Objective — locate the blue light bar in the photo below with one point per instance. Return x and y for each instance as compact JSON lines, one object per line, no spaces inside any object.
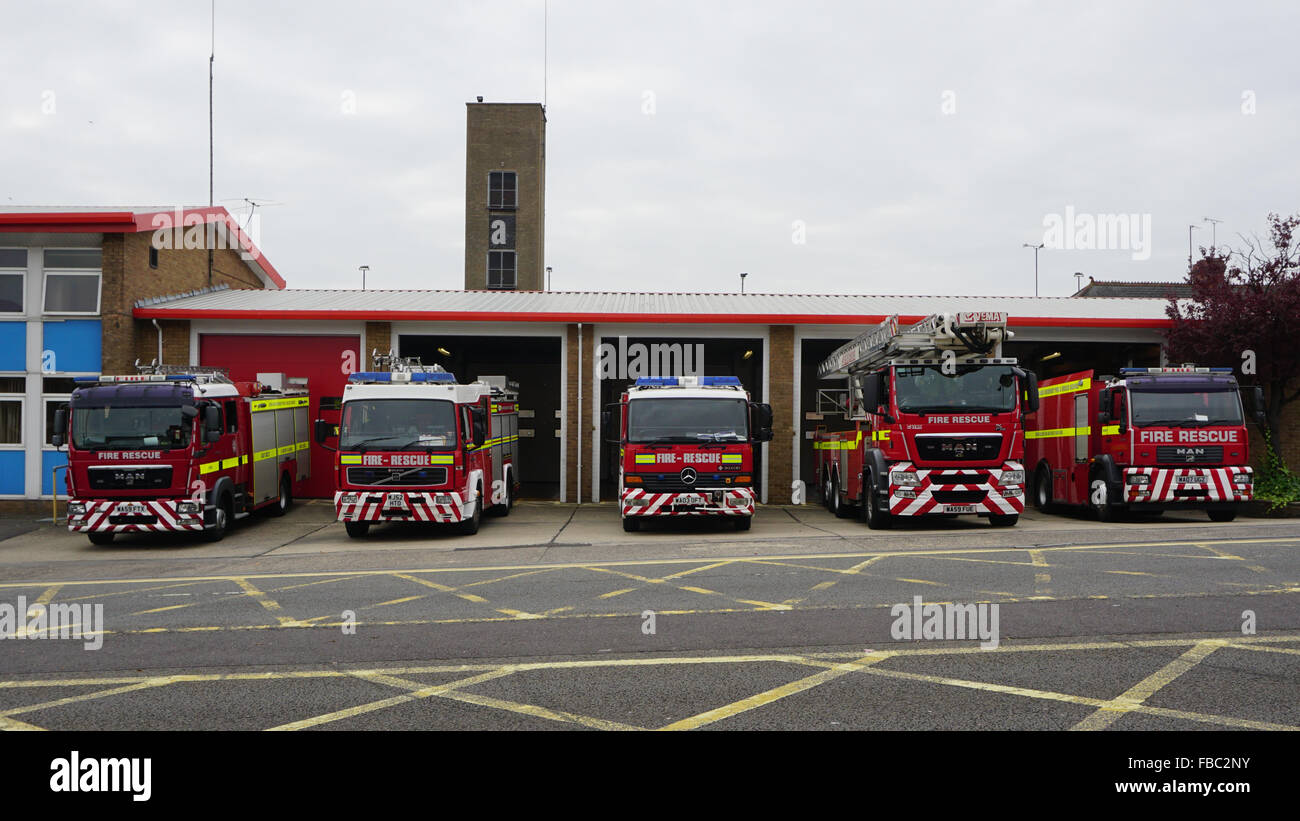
{"x":727,"y":381}
{"x":387,"y":376}
{"x":656,"y":381}
{"x":687,"y":381}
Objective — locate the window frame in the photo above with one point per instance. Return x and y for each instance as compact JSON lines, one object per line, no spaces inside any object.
{"x":21,"y":399}
{"x":514,"y":283}
{"x":98,"y":273}
{"x":22,"y":274}
{"x":501,"y":206}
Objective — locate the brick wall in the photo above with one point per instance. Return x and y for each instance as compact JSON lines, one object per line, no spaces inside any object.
{"x":379,"y":337}
{"x":506,"y":137}
{"x":578,"y":432}
{"x":1288,"y":446}
{"x":780,"y":453}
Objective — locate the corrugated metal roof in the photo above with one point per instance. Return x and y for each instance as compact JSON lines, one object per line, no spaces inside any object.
{"x":607,"y":306}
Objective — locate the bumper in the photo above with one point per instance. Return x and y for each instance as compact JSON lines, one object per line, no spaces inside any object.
{"x":734,"y":501}
{"x":120,"y":516}
{"x":415,"y":506}
{"x":942,"y":490}
{"x":1170,"y":486}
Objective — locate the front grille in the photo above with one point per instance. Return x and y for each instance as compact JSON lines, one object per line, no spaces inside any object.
{"x":959,"y":497}
{"x":952,"y":477}
{"x":422,"y":477}
{"x":123,"y":478}
{"x":1189,"y":454}
{"x":133,"y":520}
{"x":958,"y":448}
{"x":674,"y":483}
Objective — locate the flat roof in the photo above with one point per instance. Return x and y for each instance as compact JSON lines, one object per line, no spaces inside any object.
{"x":632,"y":307}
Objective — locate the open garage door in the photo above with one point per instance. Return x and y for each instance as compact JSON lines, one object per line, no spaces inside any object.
{"x":319,"y":358}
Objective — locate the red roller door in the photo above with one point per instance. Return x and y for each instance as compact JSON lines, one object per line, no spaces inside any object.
{"x":324,"y":360}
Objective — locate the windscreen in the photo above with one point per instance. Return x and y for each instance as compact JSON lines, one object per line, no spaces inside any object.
{"x":130,"y":427}
{"x":688,"y":420}
{"x":970,"y":388}
{"x":1189,"y":409}
{"x":396,"y":424}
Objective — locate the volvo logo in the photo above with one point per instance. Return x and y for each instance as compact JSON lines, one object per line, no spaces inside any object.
{"x":688,"y":476}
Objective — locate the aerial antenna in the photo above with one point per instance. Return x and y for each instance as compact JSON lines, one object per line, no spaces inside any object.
{"x":546,"y":21}
{"x":212,"y":58}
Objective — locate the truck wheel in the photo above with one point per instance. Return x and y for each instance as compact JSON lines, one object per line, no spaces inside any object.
{"x":468,"y":527}
{"x":743,"y":522}
{"x":357,"y":530}
{"x":826,"y":492}
{"x":631,"y":524}
{"x":1004,"y":519}
{"x":838,"y":507}
{"x":1222,"y":515}
{"x":1099,"y":499}
{"x":282,"y":506}
{"x":221,"y":518}
{"x":1043,"y":490}
{"x":876,"y":517}
{"x":101,"y":536}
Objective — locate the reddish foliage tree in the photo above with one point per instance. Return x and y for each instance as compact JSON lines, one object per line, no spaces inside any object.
{"x":1246,"y":301}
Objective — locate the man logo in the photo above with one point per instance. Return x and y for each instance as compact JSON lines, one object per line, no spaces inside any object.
{"x":689,"y":476}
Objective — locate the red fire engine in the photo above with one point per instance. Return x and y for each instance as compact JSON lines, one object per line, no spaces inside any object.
{"x":1147,"y":440}
{"x":181,"y":449}
{"x":687,"y":448}
{"x":415,"y":446}
{"x":938,"y":418}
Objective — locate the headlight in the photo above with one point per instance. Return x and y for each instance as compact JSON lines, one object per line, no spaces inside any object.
{"x":1241,"y":479}
{"x":1139,"y":479}
{"x":76,"y":508}
{"x":1012,"y":477}
{"x":904,"y":477}
{"x":188,"y":507}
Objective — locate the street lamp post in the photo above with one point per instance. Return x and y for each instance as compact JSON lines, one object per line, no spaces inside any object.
{"x":1036,"y":248}
{"x":742,"y":281}
{"x":363,"y":269}
{"x":548,"y":277}
{"x":1190,"y":229}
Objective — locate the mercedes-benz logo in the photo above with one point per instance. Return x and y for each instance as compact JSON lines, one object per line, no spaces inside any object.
{"x":688,"y":476}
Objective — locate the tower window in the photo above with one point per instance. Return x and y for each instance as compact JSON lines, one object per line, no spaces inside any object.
{"x":501,"y":270}
{"x":503,"y":189}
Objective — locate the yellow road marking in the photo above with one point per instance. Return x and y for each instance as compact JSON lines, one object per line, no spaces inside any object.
{"x":611,"y":594}
{"x":41,"y":601}
{"x":504,"y":578}
{"x":921,"y":581}
{"x":59,"y":702}
{"x":394,"y":601}
{"x":1137,"y":573}
{"x":12,"y":725}
{"x":1263,"y":648}
{"x":1041,"y":579}
{"x":162,"y":609}
{"x":361,"y":709}
{"x":307,"y":584}
{"x":269,"y":604}
{"x":1111,"y":711}
{"x":1220,"y":553}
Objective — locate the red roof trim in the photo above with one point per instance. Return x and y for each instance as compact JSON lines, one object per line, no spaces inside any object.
{"x":150,"y":221}
{"x":685,"y":319}
{"x":69,"y":222}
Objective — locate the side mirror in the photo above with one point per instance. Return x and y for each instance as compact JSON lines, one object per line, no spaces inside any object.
{"x":211,"y":420}
{"x":60,"y":427}
{"x":872,"y":396}
{"x":323,"y":431}
{"x":608,"y":425}
{"x":1029,"y":388}
{"x":189,"y":411}
{"x":761,"y":414}
{"x":479,"y":425}
{"x":1261,"y":416}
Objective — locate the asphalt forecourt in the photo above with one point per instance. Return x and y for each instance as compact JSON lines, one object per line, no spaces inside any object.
{"x":805,"y":622}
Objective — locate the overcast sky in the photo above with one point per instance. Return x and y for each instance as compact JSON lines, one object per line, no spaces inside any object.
{"x":913,"y":147}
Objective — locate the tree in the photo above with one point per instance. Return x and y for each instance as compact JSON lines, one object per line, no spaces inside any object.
{"x":1246,"y":313}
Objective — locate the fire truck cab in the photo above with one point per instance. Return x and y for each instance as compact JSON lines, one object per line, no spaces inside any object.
{"x":686,"y":448}
{"x":178,"y":448}
{"x":937,"y":418}
{"x":416,"y":446}
{"x":1147,"y":440}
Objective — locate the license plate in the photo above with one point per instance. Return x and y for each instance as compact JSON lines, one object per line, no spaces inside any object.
{"x":129,"y":508}
{"x":395,"y":500}
{"x":1188,"y":479}
{"x":959,"y":508}
{"x":689,"y":499}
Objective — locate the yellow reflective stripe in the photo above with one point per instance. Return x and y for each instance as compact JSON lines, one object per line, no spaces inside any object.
{"x":208,"y":467}
{"x":879,"y":435}
{"x":286,"y":449}
{"x":350,"y":459}
{"x":732,"y":458}
{"x":243,"y":460}
{"x":1066,"y":387}
{"x":441,"y":458}
{"x":302,"y":445}
{"x":277,"y":404}
{"x":230,"y":463}
{"x":645,"y":459}
{"x":1055,"y":432}
{"x":264,"y":454}
{"x":1110,"y":430}
{"x":835,"y":445}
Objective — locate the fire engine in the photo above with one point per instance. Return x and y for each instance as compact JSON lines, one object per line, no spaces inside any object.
{"x":937,"y":417}
{"x":686,"y":446}
{"x":415,"y":446}
{"x":1149,"y":439}
{"x":177,"y":448}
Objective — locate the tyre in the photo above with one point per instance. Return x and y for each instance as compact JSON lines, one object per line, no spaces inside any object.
{"x":1004,"y":519}
{"x":743,"y":522}
{"x":631,"y":524}
{"x":101,"y":536}
{"x":1222,"y":515}
{"x":840,"y":509}
{"x":285,"y":501}
{"x":826,"y":491}
{"x":876,"y":517}
{"x":468,"y":527}
{"x":357,"y":530}
{"x":502,"y":510}
{"x":1100,"y":501}
{"x":222,"y":516}
{"x":1043,"y":490}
